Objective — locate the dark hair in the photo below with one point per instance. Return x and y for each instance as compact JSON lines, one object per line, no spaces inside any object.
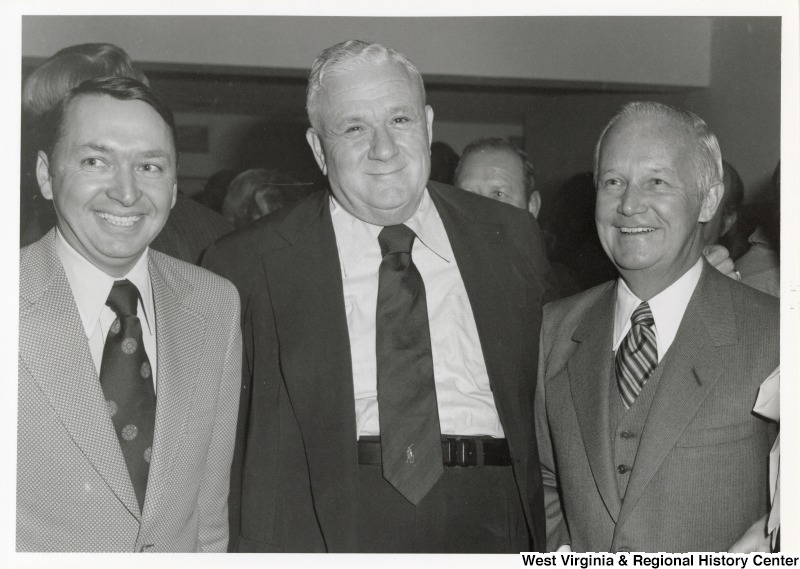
{"x":484,"y":144}
{"x":71,"y":66}
{"x":734,"y":191}
{"x":121,"y":88}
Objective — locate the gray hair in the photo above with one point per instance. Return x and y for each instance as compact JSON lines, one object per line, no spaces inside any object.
{"x":486,"y":144}
{"x":346,"y":56}
{"x":707,"y":156}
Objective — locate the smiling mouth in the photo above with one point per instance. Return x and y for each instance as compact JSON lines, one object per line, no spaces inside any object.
{"x":635,"y":230}
{"x":118,"y":220}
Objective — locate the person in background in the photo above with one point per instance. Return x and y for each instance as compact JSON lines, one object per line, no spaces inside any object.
{"x":391,"y":328}
{"x":443,"y":162}
{"x":494,"y":168}
{"x":213,"y":194}
{"x":760,"y":266}
{"x":727,"y":226}
{"x":257,"y":192}
{"x":191,"y":227}
{"x":129,"y":360}
{"x":646,"y":383}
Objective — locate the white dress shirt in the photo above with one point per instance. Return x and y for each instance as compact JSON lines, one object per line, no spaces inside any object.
{"x":667,"y":307}
{"x":465,"y":401}
{"x":90,"y":287}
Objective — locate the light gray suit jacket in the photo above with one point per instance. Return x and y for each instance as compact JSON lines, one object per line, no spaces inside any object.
{"x":73,"y":488}
{"x":699,"y":479}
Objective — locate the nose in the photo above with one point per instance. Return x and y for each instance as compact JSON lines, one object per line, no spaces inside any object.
{"x":382,"y":146}
{"x":631,"y":201}
{"x":123,"y":187}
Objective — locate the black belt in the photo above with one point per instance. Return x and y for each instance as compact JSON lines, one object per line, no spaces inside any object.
{"x":456,"y":451}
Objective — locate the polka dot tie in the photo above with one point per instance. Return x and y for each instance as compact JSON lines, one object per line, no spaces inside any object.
{"x":637,"y":355}
{"x":125,"y":377}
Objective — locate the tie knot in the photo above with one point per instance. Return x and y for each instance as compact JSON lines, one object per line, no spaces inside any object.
{"x":396,"y":239}
{"x":123,"y":298}
{"x":642,"y":316}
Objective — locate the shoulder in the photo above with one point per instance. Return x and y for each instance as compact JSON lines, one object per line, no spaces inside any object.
{"x":477,"y":207}
{"x":197,"y":287}
{"x":569,"y":310}
{"x":37,"y":264}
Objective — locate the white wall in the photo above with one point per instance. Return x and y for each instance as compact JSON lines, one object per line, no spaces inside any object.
{"x":631,"y":50}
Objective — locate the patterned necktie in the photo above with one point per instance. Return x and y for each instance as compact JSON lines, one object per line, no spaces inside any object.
{"x":411,"y":442}
{"x":125,"y":377}
{"x":637,"y":356}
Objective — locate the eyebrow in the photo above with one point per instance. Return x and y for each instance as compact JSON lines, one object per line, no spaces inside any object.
{"x":97,"y":147}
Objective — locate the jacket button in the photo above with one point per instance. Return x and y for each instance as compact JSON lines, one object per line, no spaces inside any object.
{"x":622,"y":469}
{"x":627,"y":435}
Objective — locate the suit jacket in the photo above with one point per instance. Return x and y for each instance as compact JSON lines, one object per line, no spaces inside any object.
{"x":295,"y":469}
{"x":699,"y":479}
{"x":73,"y":488}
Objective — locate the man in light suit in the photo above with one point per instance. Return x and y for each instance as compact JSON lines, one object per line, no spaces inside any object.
{"x":109,"y":164}
{"x":646,"y":384}
{"x":309,"y":471}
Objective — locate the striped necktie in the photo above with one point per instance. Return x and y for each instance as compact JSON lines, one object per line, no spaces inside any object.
{"x":637,"y":356}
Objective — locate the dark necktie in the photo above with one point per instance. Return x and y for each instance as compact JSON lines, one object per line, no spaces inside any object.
{"x":637,"y":355}
{"x":411,"y":442}
{"x":126,"y":379}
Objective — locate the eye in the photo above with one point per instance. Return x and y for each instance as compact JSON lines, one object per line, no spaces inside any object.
{"x":658,"y":182}
{"x":498,"y":193}
{"x":354,"y":129}
{"x":93,"y":163}
{"x":151,"y":169}
{"x":401,"y":120}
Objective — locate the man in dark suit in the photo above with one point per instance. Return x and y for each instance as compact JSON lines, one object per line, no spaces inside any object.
{"x":339,"y":355}
{"x":646,"y":383}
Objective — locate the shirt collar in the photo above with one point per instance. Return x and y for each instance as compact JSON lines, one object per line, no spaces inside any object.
{"x":355,"y":238}
{"x":90,"y":286}
{"x":667,"y":307}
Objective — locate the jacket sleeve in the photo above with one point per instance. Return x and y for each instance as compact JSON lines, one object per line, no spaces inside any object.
{"x":557,"y":532}
{"x":213,"y":496}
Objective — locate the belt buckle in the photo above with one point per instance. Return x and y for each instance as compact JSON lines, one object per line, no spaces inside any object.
{"x":460,"y":452}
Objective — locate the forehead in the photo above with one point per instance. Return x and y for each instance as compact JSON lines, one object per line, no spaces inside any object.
{"x":368,"y":83}
{"x":651,"y":138}
{"x":104,"y":117}
{"x":493,"y":161}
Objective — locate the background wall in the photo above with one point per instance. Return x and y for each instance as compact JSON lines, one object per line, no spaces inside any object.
{"x":553,"y":80}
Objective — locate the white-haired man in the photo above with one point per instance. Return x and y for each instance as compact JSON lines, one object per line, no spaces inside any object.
{"x":646,"y":383}
{"x":391,"y":330}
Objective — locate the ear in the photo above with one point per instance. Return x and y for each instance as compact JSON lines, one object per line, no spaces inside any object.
{"x":535,"y":203}
{"x":711,"y":202}
{"x":727,"y":222}
{"x":174,"y":194}
{"x":429,"y":121}
{"x":316,"y":147}
{"x":43,"y":175}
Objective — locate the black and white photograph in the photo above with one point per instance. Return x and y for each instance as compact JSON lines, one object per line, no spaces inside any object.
{"x":423,"y":279}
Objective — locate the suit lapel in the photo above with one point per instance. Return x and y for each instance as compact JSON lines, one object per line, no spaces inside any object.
{"x":483,"y":257}
{"x":180,"y":337}
{"x":53,"y":347}
{"x":589,"y":369}
{"x":305,"y":288}
{"x":692,"y":366}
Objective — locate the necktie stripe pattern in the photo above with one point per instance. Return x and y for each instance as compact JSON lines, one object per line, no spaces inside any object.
{"x":411,"y":447}
{"x":127,"y":386}
{"x":637,"y":356}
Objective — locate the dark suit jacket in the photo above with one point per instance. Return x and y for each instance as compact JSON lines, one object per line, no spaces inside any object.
{"x":699,"y":479}
{"x":296,"y":458}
